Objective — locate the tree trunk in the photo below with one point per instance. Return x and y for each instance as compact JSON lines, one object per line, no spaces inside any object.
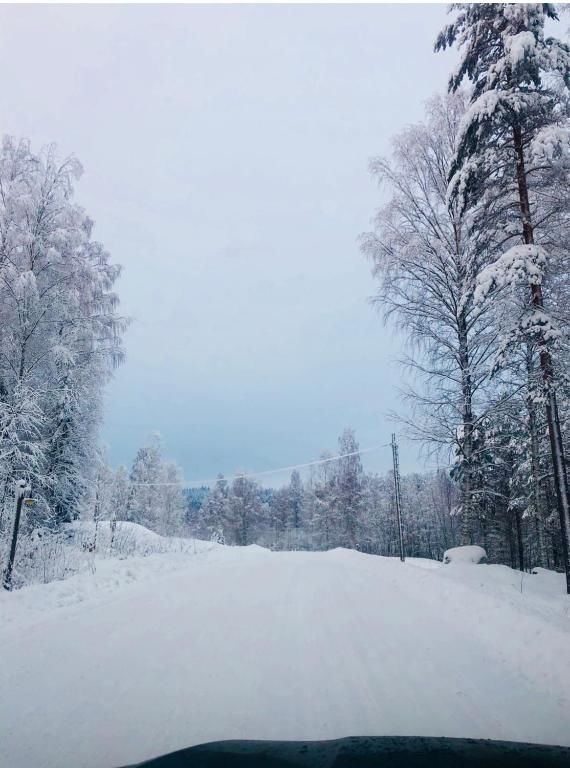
{"x":537,"y":484}
{"x":520,"y":548}
{"x":552,"y":418}
{"x":467,"y":505}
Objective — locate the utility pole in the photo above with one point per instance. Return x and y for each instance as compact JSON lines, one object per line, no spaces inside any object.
{"x":397,"y":495}
{"x":20,"y":492}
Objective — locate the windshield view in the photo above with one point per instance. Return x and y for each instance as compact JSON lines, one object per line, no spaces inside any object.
{"x":284,"y":385}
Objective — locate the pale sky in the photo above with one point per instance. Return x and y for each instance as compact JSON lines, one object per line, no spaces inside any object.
{"x":226,"y":155}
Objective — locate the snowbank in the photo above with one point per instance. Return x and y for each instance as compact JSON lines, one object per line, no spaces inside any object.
{"x":44,"y":556}
{"x":126,"y":540}
{"x":468,"y":554}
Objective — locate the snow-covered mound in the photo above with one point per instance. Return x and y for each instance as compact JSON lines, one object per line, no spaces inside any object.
{"x":80,"y":547}
{"x":127,"y":539}
{"x":468,"y":554}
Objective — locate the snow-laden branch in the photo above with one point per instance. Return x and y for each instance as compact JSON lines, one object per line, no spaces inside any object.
{"x":520,"y":264}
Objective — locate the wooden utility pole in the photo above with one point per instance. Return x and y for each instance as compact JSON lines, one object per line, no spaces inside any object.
{"x":397,"y":495}
{"x":20,"y":492}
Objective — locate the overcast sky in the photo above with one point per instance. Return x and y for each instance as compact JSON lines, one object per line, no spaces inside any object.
{"x":225,"y":151}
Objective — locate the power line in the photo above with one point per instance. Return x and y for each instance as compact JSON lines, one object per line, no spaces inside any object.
{"x":265,"y":472}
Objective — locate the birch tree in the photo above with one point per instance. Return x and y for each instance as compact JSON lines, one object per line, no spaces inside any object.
{"x":427,"y":264}
{"x":60,"y":334}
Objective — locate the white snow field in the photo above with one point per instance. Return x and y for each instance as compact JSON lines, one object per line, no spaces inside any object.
{"x":149,"y":655}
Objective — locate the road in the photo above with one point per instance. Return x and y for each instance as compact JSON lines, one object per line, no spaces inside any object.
{"x":252,"y":644}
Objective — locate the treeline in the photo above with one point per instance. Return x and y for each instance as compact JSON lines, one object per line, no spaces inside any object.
{"x":339,"y":505}
{"x":471,"y":254}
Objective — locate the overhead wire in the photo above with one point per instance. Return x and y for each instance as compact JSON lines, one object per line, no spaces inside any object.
{"x":277,"y":470}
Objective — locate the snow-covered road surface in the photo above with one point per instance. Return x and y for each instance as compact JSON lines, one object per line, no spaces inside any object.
{"x":244,"y":643}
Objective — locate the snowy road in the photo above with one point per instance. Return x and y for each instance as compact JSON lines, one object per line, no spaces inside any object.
{"x":251,"y":644}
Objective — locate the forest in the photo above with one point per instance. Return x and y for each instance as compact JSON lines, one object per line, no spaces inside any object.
{"x":469,"y":252}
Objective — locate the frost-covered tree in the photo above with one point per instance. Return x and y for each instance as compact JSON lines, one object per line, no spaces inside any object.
{"x":378,"y":530}
{"x":348,"y":488}
{"x":427,"y":262}
{"x":244,"y":510}
{"x":146,"y":489}
{"x":155,"y":497}
{"x":296,"y":499}
{"x":60,"y":334}
{"x":280,"y":514}
{"x":173,"y":505}
{"x":320,"y":513}
{"x":99,"y":497}
{"x":515,"y":133}
{"x":120,"y":493}
{"x":286,"y":508}
{"x":21,"y":443}
{"x":215,"y":511}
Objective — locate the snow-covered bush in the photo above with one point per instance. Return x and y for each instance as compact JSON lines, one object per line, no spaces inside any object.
{"x":468,"y":554}
{"x":44,"y":555}
{"x":124,"y":539}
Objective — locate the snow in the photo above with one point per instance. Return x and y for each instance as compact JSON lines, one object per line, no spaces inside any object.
{"x":29,"y":606}
{"x":131,"y":538}
{"x":44,"y":557}
{"x":521,"y":263}
{"x":520,"y":46}
{"x":468,"y":554}
{"x":149,"y":655}
{"x":550,"y":143}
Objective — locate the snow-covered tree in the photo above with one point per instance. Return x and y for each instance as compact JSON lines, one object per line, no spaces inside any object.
{"x":514,"y":133}
{"x":155,"y":498}
{"x":244,"y":510}
{"x":348,"y":484}
{"x":146,"y":480}
{"x":280,"y":514}
{"x":296,"y":499}
{"x":427,"y":262}
{"x":120,"y":493}
{"x":320,"y":513}
{"x":215,"y":512}
{"x":173,"y":505}
{"x":60,"y":334}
